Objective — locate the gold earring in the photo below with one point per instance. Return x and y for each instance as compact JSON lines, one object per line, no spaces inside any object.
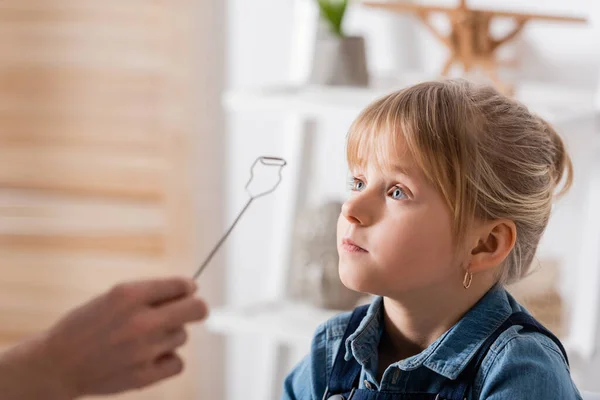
{"x":467,"y":280}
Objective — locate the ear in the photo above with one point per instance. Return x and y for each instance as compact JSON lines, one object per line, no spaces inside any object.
{"x":495,"y":240}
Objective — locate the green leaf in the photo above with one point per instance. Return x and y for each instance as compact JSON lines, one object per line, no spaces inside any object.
{"x":333,"y":11}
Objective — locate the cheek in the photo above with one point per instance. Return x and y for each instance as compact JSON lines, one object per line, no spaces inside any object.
{"x":419,"y":244}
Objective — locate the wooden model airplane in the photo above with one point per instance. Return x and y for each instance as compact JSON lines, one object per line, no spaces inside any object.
{"x":470,"y":41}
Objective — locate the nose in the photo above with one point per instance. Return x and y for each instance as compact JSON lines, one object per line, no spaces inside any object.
{"x":358,"y":209}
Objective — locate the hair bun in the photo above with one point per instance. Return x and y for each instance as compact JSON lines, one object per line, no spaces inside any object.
{"x":562,"y":166}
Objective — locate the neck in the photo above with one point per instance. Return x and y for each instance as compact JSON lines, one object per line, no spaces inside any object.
{"x":413,"y":321}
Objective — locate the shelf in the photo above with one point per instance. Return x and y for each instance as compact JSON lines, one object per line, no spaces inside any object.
{"x":553,"y":102}
{"x":284,"y":321}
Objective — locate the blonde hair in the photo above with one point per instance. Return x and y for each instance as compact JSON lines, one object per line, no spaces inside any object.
{"x":487,"y":154}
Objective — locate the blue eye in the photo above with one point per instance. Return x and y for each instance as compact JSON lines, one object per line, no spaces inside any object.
{"x":398,"y":194}
{"x":356,"y":184}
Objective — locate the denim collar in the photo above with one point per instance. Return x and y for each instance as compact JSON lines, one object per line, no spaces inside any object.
{"x":451,"y":352}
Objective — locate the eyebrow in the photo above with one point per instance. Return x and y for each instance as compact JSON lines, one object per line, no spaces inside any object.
{"x":402,"y":169}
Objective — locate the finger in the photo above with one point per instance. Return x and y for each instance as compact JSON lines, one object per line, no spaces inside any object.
{"x":163,"y":367}
{"x":169,"y":342}
{"x":177,"y":313}
{"x":156,"y":291}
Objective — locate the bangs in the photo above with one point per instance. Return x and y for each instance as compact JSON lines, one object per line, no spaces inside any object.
{"x":381,"y":135}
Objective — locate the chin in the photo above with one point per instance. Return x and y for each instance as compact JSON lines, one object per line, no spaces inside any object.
{"x":357,"y":279}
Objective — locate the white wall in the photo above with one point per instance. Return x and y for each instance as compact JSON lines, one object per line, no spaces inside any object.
{"x":258,"y":52}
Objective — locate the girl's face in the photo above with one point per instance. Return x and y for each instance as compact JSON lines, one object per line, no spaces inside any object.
{"x":395,"y":233}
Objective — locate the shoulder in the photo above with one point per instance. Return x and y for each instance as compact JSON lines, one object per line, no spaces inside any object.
{"x":310,"y":376}
{"x":328,"y":339}
{"x":335,"y":327}
{"x":523,"y":364}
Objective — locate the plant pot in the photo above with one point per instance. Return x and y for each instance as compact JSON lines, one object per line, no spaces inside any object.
{"x":340,"y":61}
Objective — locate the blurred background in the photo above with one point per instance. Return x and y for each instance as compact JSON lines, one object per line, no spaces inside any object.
{"x":111,"y":159}
{"x":128,"y":128}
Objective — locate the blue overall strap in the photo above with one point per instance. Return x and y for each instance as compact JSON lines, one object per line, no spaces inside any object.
{"x":457,"y":390}
{"x":344,"y":373}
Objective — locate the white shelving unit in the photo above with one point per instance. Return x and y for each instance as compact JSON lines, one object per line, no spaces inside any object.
{"x":553,"y":102}
{"x":287,"y":323}
{"x":292,"y":325}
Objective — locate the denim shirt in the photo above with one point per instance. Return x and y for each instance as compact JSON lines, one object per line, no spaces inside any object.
{"x":519,"y":365}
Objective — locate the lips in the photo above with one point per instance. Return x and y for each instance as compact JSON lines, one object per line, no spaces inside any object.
{"x":350,"y":246}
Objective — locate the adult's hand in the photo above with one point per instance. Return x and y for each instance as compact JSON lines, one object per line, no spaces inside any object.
{"x":121,"y":340}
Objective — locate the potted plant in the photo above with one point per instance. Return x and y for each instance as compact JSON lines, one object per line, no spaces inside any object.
{"x":339,"y":59}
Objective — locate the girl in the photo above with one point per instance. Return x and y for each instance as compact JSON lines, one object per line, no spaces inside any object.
{"x":452,"y":189}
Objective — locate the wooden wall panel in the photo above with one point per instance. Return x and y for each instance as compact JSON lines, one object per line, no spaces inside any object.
{"x":100,"y":144}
